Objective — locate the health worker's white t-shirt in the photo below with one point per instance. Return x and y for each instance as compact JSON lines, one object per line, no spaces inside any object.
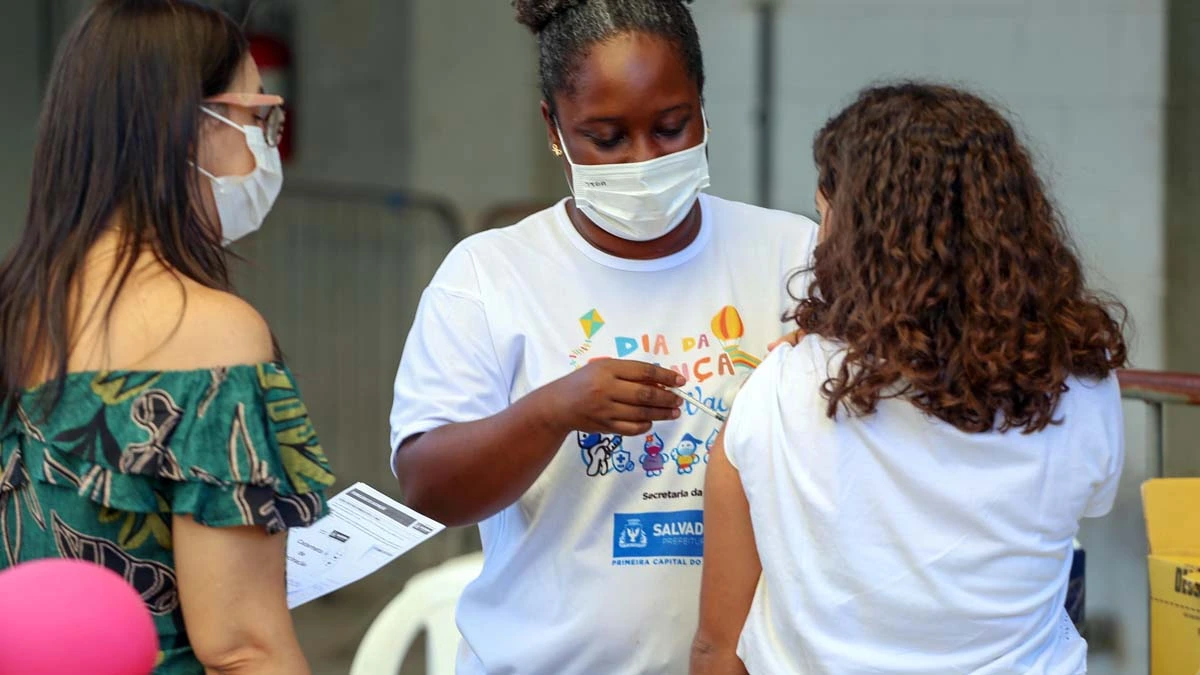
{"x":895,"y":543}
{"x":596,"y":569}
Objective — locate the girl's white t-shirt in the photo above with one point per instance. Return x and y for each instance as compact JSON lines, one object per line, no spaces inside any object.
{"x":895,"y":543}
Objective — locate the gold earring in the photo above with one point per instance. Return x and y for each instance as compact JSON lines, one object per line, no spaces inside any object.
{"x":556,"y":150}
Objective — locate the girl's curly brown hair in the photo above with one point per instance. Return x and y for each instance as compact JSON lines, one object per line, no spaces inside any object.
{"x":946,"y":272}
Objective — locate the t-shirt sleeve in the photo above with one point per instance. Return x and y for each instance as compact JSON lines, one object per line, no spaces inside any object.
{"x":752,"y":407}
{"x":449,"y":371}
{"x":1113,"y":434}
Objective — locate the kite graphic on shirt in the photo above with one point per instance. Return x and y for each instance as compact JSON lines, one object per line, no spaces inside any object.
{"x":684,"y":453}
{"x":591,"y":323}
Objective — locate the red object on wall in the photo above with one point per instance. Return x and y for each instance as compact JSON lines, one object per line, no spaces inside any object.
{"x":274,"y":60}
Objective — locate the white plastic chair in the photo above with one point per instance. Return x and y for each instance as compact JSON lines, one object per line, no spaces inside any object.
{"x":427,"y":602}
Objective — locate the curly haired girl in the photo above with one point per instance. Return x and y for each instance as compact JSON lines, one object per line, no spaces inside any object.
{"x":898,"y":490}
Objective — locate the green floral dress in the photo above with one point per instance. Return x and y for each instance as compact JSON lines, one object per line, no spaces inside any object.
{"x":99,"y":477}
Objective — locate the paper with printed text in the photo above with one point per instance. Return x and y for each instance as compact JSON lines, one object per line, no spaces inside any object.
{"x":364,"y":531}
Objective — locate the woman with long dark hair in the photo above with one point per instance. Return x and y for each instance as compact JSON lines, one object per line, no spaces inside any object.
{"x":898,"y":491}
{"x":146,"y":423}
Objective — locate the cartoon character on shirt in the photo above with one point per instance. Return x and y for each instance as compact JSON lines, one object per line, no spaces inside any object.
{"x":708,"y":444}
{"x":622,"y":460}
{"x":652,"y":459}
{"x":684,"y":453}
{"x":597,"y":450}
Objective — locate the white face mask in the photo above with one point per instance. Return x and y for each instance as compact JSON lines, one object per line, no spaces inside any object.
{"x":643,"y":200}
{"x":243,"y":201}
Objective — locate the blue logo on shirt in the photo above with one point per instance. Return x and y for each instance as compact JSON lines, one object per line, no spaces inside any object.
{"x":669,"y":534}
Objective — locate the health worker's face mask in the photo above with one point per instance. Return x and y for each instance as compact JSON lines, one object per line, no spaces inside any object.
{"x":643,"y":200}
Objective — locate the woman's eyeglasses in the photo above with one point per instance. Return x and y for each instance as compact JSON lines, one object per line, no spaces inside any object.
{"x":267,"y":109}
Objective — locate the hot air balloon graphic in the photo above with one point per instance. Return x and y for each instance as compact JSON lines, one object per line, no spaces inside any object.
{"x":591,"y":323}
{"x":728,"y":328}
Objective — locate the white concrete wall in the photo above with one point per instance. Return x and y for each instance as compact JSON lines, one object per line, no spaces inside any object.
{"x":434,"y":96}
{"x":1083,"y":79}
{"x":352,"y":80}
{"x":477,"y":133}
{"x":1183,"y":227}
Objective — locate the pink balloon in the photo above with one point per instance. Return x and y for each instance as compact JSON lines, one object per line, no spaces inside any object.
{"x":65,"y":617}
